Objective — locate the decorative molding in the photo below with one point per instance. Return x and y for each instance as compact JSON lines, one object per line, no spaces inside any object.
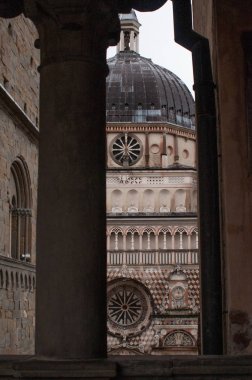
{"x":15,"y":111}
{"x":126,"y":179}
{"x":15,"y":274}
{"x":126,"y":149}
{"x":129,"y":307}
{"x":152,"y":127}
{"x":157,"y":229}
{"x":178,"y":339}
{"x":10,"y":263}
{"x":81,"y":30}
{"x":165,"y":257}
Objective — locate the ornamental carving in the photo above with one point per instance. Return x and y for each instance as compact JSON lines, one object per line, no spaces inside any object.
{"x":128,"y":308}
{"x":125,"y":307}
{"x":178,"y":297}
{"x":126,"y":149}
{"x":178,"y":339}
{"x":125,"y":179}
{"x":74,"y":30}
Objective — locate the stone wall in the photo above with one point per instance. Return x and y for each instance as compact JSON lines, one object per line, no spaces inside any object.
{"x":17,"y":307}
{"x":19,"y":60}
{"x":224,"y":25}
{"x":179,"y":149}
{"x":19,"y":90}
{"x":15,"y":142}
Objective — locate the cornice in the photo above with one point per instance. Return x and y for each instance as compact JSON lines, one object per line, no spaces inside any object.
{"x":12,"y":8}
{"x":16,"y":112}
{"x":140,"y":5}
{"x":150,"y":128}
{"x":16,"y":264}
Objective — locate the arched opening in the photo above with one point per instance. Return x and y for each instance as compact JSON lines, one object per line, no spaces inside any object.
{"x":156,"y":190}
{"x":132,"y":201}
{"x":164,"y":200}
{"x":148,"y":201}
{"x":116,"y":201}
{"x":20,"y":211}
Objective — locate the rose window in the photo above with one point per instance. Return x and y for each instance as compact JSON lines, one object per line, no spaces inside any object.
{"x":129,"y":307}
{"x":126,"y":149}
{"x":125,"y":307}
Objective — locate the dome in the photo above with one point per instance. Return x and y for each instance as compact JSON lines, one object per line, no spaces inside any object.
{"x":140,"y":91}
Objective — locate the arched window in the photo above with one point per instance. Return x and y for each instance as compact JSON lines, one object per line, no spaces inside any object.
{"x":20,"y":211}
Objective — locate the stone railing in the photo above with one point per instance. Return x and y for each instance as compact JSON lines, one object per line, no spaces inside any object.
{"x":16,"y":274}
{"x":166,"y":257}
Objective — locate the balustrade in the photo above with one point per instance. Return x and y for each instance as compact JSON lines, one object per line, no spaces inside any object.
{"x":153,"y":257}
{"x":15,"y":274}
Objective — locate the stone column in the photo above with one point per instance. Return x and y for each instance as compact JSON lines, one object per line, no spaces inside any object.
{"x":124,"y":242}
{"x":164,"y":158}
{"x":147,"y":150}
{"x":140,"y":242}
{"x":71,"y":238}
{"x":137,"y":43}
{"x":176,"y":150}
{"x":189,"y":242}
{"x":156,"y":242}
{"x":132,"y":47}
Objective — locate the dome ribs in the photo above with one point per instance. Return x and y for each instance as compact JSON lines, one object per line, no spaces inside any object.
{"x":162,"y":89}
{"x":140,"y":91}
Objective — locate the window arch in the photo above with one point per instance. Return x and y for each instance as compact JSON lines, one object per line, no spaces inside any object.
{"x":179,"y":338}
{"x":20,"y":211}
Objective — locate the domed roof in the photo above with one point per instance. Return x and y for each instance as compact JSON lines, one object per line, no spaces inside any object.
{"x":140,"y":91}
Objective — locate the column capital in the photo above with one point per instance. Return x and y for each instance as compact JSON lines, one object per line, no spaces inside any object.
{"x":74,"y":30}
{"x":10,"y":8}
{"x":125,"y":6}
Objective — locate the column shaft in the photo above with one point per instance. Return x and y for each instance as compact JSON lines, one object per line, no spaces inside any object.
{"x":71,"y":228}
{"x":70,"y":316}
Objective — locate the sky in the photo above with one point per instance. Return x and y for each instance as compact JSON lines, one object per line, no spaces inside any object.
{"x":157,"y":43}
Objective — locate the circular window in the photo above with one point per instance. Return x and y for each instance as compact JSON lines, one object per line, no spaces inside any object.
{"x":125,"y":307}
{"x":126,"y":149}
{"x":129,"y":308}
{"x":154,"y":149}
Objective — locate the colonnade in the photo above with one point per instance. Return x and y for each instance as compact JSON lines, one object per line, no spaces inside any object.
{"x":151,"y":238}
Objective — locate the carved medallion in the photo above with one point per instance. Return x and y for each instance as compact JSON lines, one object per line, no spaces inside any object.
{"x":126,"y":149}
{"x":129,"y":308}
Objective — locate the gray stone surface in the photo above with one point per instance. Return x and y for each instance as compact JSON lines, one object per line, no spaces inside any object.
{"x":71,"y":241}
{"x":18,"y":63}
{"x":125,"y":368}
{"x":17,"y":315}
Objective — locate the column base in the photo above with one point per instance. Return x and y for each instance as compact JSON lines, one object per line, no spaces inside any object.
{"x":32,"y":367}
